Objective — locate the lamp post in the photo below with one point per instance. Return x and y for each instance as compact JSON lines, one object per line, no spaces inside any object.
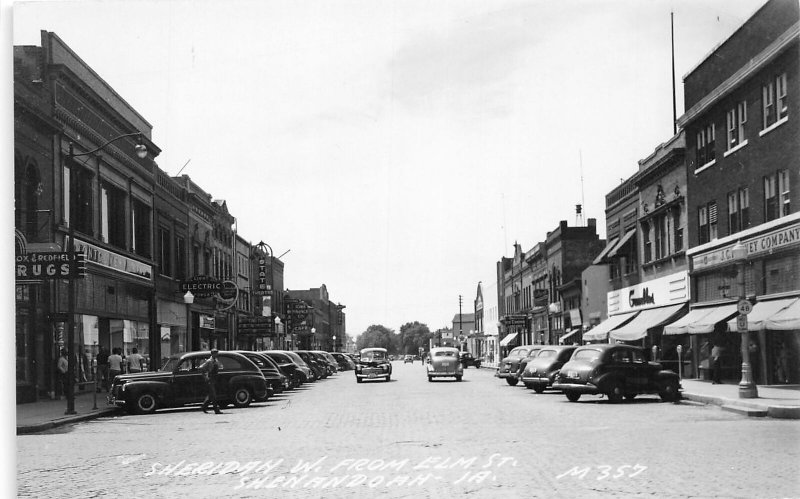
{"x":278,"y":327}
{"x":188,"y":299}
{"x":313,"y":337}
{"x":334,"y":342}
{"x":747,"y":388}
{"x":141,"y":152}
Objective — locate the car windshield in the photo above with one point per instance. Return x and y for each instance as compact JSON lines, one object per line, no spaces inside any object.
{"x":373,"y":355}
{"x":446,"y":353}
{"x":546,"y":353}
{"x":586,"y":354}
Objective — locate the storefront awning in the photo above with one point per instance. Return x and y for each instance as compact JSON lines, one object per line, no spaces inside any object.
{"x":647,"y":319}
{"x":605,"y":251}
{"x":508,"y":339}
{"x":600,"y":331}
{"x":700,"y":320}
{"x":627,"y":237}
{"x":567,"y":336}
{"x":763,"y":311}
{"x":787,"y":319}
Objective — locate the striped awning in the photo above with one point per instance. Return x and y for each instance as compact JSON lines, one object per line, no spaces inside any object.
{"x":700,"y":320}
{"x":647,"y":319}
{"x":762,"y":312}
{"x":600,"y":331}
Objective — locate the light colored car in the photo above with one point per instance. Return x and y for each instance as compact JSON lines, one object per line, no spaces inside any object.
{"x":444,"y":362}
{"x":373,"y":363}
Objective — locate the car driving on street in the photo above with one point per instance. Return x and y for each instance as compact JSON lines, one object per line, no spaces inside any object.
{"x":373,"y":363}
{"x":444,"y":362}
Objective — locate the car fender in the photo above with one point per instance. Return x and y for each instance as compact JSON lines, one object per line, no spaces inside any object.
{"x":159,"y":388}
{"x":252,"y":380}
{"x":604,"y":380}
{"x":665,"y":376}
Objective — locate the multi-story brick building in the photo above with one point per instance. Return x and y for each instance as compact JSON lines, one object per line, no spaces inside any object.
{"x":743,"y":161}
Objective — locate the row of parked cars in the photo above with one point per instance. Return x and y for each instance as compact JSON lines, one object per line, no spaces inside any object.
{"x":244,"y":377}
{"x":615,"y":370}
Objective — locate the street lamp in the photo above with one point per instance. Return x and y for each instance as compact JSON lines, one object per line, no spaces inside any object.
{"x":747,"y":388}
{"x":141,"y":152}
{"x":188,"y":299}
{"x":334,"y":342}
{"x":313,"y":338}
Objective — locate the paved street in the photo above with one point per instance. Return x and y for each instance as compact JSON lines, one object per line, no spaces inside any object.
{"x":411,"y":438}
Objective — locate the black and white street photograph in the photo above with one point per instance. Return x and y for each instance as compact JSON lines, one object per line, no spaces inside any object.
{"x":402,"y":248}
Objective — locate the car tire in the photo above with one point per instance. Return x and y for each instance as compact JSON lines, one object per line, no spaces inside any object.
{"x":670,"y":392}
{"x":538,"y":388}
{"x":478,"y":365}
{"x":630,"y":396}
{"x":615,"y":393}
{"x":145,"y":403}
{"x":359,"y":380}
{"x":512,"y":381}
{"x":430,"y":378}
{"x":458,"y":378}
{"x":572,"y":396}
{"x":388,"y":377}
{"x":242,"y":396}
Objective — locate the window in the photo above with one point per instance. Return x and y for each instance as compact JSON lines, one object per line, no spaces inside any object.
{"x":707,"y":222}
{"x":660,"y":236}
{"x":738,"y":210}
{"x":195,"y":260}
{"x":140,"y":222}
{"x":648,"y":249}
{"x":705,"y":145}
{"x":774,"y":101}
{"x":676,"y":225}
{"x":784,"y":206}
{"x":112,"y":216}
{"x":180,"y":257}
{"x":165,"y":249}
{"x":770,"y":198}
{"x":737,"y":118}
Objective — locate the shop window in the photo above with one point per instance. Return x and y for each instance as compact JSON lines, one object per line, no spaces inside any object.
{"x":140,"y":221}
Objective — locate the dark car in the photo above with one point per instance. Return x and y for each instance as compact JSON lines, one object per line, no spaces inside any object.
{"x":329,"y":359}
{"x":408,"y":358}
{"x":293,"y":372}
{"x":373,"y":363}
{"x":276,"y":380}
{"x":616,"y":371}
{"x":467,"y":359}
{"x":509,"y":368}
{"x":344,"y":361}
{"x":541,"y":372}
{"x":320,"y":369}
{"x":180,"y":382}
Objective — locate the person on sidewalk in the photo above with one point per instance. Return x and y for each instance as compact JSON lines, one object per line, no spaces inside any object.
{"x":210,"y":369}
{"x":62,"y":368}
{"x":135,"y":361}
{"x":102,"y":369}
{"x":716,"y":367}
{"x":114,"y":364}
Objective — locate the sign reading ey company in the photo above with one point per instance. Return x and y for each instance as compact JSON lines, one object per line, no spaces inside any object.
{"x":40,"y":266}
{"x":202,"y":286}
{"x":765,"y":243}
{"x":667,"y":290}
{"x":115,"y":261}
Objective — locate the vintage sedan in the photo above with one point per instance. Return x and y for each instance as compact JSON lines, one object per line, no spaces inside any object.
{"x":373,"y":363}
{"x":467,"y":359}
{"x":444,"y":362}
{"x":408,"y":359}
{"x":293,"y":367}
{"x":509,"y":368}
{"x":615,"y":371}
{"x":345,"y":362}
{"x":541,"y":372}
{"x":276,"y":380}
{"x":180,"y":382}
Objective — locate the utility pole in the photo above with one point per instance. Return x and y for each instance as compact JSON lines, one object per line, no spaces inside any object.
{"x":460,"y":330}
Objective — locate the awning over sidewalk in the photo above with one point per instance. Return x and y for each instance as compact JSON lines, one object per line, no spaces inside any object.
{"x":508,"y":339}
{"x":605,"y":251}
{"x":647,"y":319}
{"x":700,"y":320}
{"x":600,"y":331}
{"x":787,"y":319}
{"x":763,"y":311}
{"x":627,"y":237}
{"x":568,"y":335}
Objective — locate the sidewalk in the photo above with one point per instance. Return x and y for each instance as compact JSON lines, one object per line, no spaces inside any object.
{"x":775,"y":401}
{"x":45,"y":414}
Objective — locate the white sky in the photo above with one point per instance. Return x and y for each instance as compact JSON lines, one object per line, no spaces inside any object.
{"x":396,"y":148}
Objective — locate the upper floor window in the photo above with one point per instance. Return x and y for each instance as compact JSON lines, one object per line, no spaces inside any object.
{"x":774,"y":101}
{"x":164,"y":251}
{"x":707,"y":222}
{"x":112,"y":216}
{"x":142,"y":228}
{"x":777,"y":202}
{"x":738,"y":210}
{"x":705,"y":145}
{"x":180,"y":257}
{"x":736,"y":120}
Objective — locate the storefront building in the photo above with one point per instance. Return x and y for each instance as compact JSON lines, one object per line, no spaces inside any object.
{"x":486,"y":343}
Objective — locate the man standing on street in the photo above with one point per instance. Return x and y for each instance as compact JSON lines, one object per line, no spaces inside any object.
{"x":102,"y":369}
{"x":210,"y":369}
{"x":716,"y":367}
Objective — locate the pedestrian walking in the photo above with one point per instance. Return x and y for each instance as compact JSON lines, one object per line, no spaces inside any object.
{"x":716,"y":365}
{"x":135,"y":361}
{"x":210,"y":369}
{"x":102,"y":369}
{"x":62,"y":370}
{"x":114,"y":364}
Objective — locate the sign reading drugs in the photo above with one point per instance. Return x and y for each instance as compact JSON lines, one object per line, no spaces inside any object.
{"x":41,"y":266}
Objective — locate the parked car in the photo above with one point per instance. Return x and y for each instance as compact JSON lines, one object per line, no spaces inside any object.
{"x":541,"y":372}
{"x":329,"y":359}
{"x":373,"y":363}
{"x":180,"y":382}
{"x":408,"y":358}
{"x":276,"y":380}
{"x":302,"y":363}
{"x":616,"y":371}
{"x":467,"y":359}
{"x":444,"y":362}
{"x":292,"y":365}
{"x":344,"y":361}
{"x":509,"y":367}
{"x":320,"y":370}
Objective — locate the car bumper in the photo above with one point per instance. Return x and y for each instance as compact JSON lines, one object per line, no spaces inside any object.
{"x":536,"y":380}
{"x":444,"y":374}
{"x":372,"y":373}
{"x":577,"y":387}
{"x":505,"y":374}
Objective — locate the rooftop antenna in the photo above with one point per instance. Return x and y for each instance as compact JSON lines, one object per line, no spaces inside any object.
{"x":184,"y":166}
{"x":505,"y":227}
{"x":579,"y":222}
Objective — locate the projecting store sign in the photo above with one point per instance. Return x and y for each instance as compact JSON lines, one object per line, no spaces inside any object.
{"x":256,"y":325}
{"x":41,"y":266}
{"x":263,"y":286}
{"x":202,"y":286}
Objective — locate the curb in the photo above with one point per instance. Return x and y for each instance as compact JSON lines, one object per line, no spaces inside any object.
{"x":772,"y":411}
{"x":38,"y":427}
